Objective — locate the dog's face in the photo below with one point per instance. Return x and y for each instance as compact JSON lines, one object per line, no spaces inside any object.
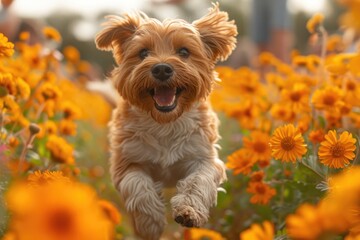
{"x":165,"y":67}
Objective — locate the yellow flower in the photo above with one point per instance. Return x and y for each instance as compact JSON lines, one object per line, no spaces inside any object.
{"x":70,"y":110}
{"x":24,"y":36}
{"x":6,"y":47}
{"x":110,"y":211}
{"x":57,"y":210}
{"x":71,"y":54}
{"x":335,"y":43}
{"x":61,"y":151}
{"x":337,"y":153}
{"x":287,"y":144}
{"x":83,"y":67}
{"x":241,"y":161}
{"x":23,"y":88}
{"x":297,"y":97}
{"x":327,"y":98}
{"x":305,"y":224}
{"x":316,"y":136}
{"x":352,"y":92}
{"x":67,"y":127}
{"x":11,"y":108}
{"x":314,"y":22}
{"x":39,"y":178}
{"x":267,"y":58}
{"x":52,"y":34}
{"x":262,"y":193}
{"x":258,"y":145}
{"x":201,"y":233}
{"x":247,"y":82}
{"x":258,"y":232}
{"x":282,"y":112}
{"x":245,"y":112}
{"x":47,"y":128}
{"x":13,"y":142}
{"x":8,"y":84}
{"x":48,"y":91}
{"x":100,"y":111}
{"x":49,"y":95}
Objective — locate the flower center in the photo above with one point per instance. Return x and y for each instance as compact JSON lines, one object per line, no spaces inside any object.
{"x":249,"y":89}
{"x":350,"y":86}
{"x":295,"y":96}
{"x":329,"y":100}
{"x":260,"y":147}
{"x":260,"y":189}
{"x":337,"y":150}
{"x":61,"y":221}
{"x":287,"y":143}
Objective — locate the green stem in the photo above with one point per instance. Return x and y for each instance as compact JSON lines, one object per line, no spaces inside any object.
{"x":313,"y":170}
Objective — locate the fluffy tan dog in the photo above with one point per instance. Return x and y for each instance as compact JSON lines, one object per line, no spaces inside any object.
{"x":163,"y":132}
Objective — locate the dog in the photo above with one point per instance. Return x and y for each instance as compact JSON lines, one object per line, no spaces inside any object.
{"x":163,"y":133}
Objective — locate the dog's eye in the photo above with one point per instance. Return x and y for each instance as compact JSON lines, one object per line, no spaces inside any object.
{"x":143,"y":53}
{"x":183,"y":52}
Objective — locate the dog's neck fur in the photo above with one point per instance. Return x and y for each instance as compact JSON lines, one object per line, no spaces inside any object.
{"x":165,"y":141}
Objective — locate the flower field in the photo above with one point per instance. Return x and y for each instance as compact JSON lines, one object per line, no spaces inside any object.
{"x":290,"y":140}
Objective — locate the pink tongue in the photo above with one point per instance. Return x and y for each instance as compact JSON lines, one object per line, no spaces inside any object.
{"x":164,"y":96}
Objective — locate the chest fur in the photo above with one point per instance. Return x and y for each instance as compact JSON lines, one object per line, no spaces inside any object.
{"x":185,"y":139}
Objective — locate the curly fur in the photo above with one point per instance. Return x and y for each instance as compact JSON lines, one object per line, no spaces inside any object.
{"x":152,"y":149}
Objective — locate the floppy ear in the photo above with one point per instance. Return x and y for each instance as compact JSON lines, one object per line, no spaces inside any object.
{"x":118,"y":30}
{"x":217,"y":33}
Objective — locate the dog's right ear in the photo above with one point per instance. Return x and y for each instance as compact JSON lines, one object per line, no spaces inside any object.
{"x":117,"y":30}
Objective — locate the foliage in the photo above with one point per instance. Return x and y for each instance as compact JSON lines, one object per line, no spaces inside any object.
{"x":290,"y":134}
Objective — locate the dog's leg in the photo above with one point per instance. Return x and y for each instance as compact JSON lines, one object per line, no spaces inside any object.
{"x":197,"y":193}
{"x":143,"y":202}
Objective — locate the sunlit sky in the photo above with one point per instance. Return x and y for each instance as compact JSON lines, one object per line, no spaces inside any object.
{"x":86,"y":28}
{"x":41,"y":8}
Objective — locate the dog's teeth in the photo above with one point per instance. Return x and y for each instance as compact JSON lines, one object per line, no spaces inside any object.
{"x":165,"y":96}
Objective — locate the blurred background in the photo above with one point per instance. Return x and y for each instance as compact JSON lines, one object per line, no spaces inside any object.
{"x":278,"y":26}
{"x":274,"y":25}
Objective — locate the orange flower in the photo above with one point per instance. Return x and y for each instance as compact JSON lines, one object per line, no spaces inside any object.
{"x":110,"y":211}
{"x":39,"y":178}
{"x":262,"y":193}
{"x":61,"y":151}
{"x":47,"y":128}
{"x":327,"y":98}
{"x":57,"y":211}
{"x":52,"y":34}
{"x":241,"y":161}
{"x":201,"y":233}
{"x":305,"y":224}
{"x":282,"y":112}
{"x":67,"y":127}
{"x":317,"y":136}
{"x":297,"y":97}
{"x":257,"y":176}
{"x":314,"y":22}
{"x":337,"y":153}
{"x":71,"y":54}
{"x":287,"y":144}
{"x":258,"y":232}
{"x":258,"y":145}
{"x":6,"y":47}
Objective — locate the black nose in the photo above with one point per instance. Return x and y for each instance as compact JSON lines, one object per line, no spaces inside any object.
{"x":162,"y":71}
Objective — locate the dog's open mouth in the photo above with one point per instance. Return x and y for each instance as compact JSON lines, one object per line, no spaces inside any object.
{"x":165,"y":97}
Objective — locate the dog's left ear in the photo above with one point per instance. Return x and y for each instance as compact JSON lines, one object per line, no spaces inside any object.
{"x":217,"y":33}
{"x":117,"y":30}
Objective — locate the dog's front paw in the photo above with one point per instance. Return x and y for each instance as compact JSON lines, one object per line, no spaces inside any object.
{"x":187,"y":216}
